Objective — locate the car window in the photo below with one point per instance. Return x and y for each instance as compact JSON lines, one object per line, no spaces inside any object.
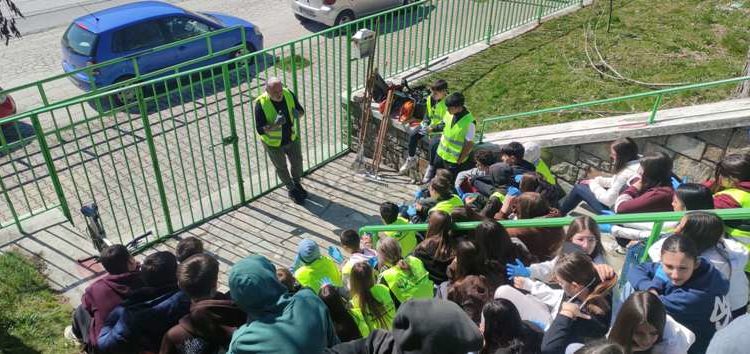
{"x":79,"y":40}
{"x":142,"y":35}
{"x":185,"y":27}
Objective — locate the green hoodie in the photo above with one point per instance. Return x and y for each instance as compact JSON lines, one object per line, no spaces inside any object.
{"x":280,"y":322}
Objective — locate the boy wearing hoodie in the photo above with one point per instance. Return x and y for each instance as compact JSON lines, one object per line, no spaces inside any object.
{"x":280,"y":322}
{"x":139,"y":323}
{"x":350,"y":242}
{"x":104,"y":294}
{"x":213,"y":315}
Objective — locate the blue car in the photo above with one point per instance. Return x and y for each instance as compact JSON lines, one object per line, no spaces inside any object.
{"x":131,"y":30}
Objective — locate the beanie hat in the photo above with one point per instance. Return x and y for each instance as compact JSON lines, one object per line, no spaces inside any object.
{"x":308,"y":251}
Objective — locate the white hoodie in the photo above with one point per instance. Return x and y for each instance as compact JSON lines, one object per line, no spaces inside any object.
{"x":729,"y":257}
{"x":543,"y":271}
{"x":606,"y":189}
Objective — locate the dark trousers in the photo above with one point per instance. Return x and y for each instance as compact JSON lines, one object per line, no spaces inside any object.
{"x":279,"y":155}
{"x":415,"y":136}
{"x":438,"y":162}
{"x":81,"y":323}
{"x":581,"y":192}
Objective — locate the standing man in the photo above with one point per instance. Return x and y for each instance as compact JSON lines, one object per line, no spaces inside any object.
{"x":432,"y":122}
{"x":277,"y":113}
{"x":458,"y":135}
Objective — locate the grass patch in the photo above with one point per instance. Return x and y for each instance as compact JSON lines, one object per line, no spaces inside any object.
{"x":676,"y":41}
{"x":32,"y":317}
{"x":286,"y":63}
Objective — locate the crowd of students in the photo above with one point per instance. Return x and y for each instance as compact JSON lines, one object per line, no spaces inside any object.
{"x":487,"y":290}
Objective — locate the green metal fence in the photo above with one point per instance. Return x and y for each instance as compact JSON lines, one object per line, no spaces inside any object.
{"x":657,"y":96}
{"x":182,"y":149}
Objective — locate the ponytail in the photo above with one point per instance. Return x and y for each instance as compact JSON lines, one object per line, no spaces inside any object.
{"x":578,"y":267}
{"x":404,"y":266}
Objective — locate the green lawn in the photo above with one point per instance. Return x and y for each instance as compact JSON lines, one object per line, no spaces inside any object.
{"x":675,"y":41}
{"x":32,"y":317}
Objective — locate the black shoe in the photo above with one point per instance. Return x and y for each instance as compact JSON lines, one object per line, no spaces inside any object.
{"x":302,"y":192}
{"x":296,"y":196}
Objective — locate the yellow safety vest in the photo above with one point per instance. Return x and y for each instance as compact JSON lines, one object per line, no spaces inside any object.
{"x":448,"y":205}
{"x":382,"y":294}
{"x":543,"y":170}
{"x":313,"y":275}
{"x":273,"y":138}
{"x":359,"y":319}
{"x":436,"y":114}
{"x":743,"y":199}
{"x":405,"y":286}
{"x":407,"y":239}
{"x":454,"y":136}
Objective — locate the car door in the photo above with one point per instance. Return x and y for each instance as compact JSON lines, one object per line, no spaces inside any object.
{"x":137,"y":39}
{"x":183,"y":27}
{"x":366,"y":7}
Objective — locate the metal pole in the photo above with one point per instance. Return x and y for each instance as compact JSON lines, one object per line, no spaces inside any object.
{"x":233,"y":130}
{"x":652,"y":117}
{"x":349,"y":86}
{"x":44,"y":148}
{"x":293,"y":56}
{"x":609,"y":22}
{"x":427,"y":39}
{"x":154,"y":159}
{"x":655,"y":232}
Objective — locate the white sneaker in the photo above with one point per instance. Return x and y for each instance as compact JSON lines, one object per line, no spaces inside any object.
{"x":429,"y":174}
{"x":70,"y":336}
{"x":409,"y":164}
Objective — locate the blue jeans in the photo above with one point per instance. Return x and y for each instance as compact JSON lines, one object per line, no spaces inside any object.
{"x":581,"y":192}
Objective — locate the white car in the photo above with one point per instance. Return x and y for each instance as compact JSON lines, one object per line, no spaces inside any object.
{"x":336,"y":12}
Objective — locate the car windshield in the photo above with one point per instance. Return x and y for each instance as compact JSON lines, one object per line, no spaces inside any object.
{"x":79,"y":40}
{"x":206,"y":17}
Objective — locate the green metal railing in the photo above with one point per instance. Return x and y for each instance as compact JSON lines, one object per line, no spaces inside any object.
{"x":657,"y":95}
{"x":38,"y":94}
{"x":181,"y":148}
{"x":658,"y":220}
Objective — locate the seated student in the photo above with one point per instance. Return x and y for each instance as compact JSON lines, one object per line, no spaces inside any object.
{"x":503,"y":329}
{"x":407,"y":239}
{"x":728,"y":256}
{"x":278,"y":321}
{"x":471,"y":293}
{"x":512,"y":155}
{"x":652,"y":189}
{"x":692,"y":290}
{"x":438,"y":249}
{"x":643,"y":326}
{"x":586,"y":312}
{"x":542,"y":242}
{"x":598,"y":347}
{"x":441,"y":189}
{"x":533,"y":153}
{"x":104,"y":294}
{"x":139,"y":323}
{"x":534,"y":182}
{"x":731,"y":187}
{"x":371,"y":300}
{"x":583,"y":231}
{"x":484,"y":158}
{"x":315,"y":269}
{"x":406,"y":277}
{"x":350,"y":242}
{"x":213,"y":316}
{"x":601,"y":192}
{"x":470,"y":261}
{"x":733,"y":339}
{"x":494,"y":242}
{"x":349,"y":325}
{"x":286,"y":278}
{"x":433,"y":121}
{"x":503,"y":174}
{"x":420,"y":327}
{"x":688,"y":196}
{"x":187,"y":247}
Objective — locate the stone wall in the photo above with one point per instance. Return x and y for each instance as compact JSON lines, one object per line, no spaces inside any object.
{"x":695,"y":154}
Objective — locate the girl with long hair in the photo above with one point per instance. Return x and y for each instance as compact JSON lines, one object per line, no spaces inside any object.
{"x":348,"y":326}
{"x":586,"y":311}
{"x":600,"y":193}
{"x":652,"y":190}
{"x":503,"y":328}
{"x":438,"y":249}
{"x":542,"y":242}
{"x":693,"y":291}
{"x":372,"y":300}
{"x":406,"y":277}
{"x":731,"y":187}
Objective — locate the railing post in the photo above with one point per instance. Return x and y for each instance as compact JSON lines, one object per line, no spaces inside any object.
{"x":44,"y":148}
{"x":349,"y":86}
{"x":652,"y":117}
{"x":10,"y":203}
{"x":293,"y":54}
{"x":490,"y":26}
{"x":539,"y":12}
{"x":655,"y":232}
{"x":233,"y":130}
{"x":427,"y":39}
{"x":154,"y":159}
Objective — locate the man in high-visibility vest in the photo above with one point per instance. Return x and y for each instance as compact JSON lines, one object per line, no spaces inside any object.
{"x":458,"y":135}
{"x":431,"y":124}
{"x":277,"y":113}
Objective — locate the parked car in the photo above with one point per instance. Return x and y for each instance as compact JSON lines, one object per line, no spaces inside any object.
{"x":132,"y":29}
{"x":336,"y":12}
{"x":7,"y":105}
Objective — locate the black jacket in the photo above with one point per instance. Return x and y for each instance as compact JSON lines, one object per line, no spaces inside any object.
{"x":564,"y":331}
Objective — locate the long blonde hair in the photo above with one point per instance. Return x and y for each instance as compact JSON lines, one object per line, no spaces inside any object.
{"x":389,"y":252}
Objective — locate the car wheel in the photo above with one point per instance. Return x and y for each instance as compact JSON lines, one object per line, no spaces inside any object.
{"x":123,"y":96}
{"x":344,"y":17}
{"x":248,"y":46}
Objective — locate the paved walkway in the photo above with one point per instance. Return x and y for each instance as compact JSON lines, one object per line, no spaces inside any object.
{"x":271,"y":226}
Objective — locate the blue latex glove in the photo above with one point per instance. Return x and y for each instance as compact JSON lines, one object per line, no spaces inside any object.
{"x":517,"y":270}
{"x":373,"y":262}
{"x":418,"y":193}
{"x":607,"y":212}
{"x":605,"y":228}
{"x":518,"y":178}
{"x":412,"y":210}
{"x":676,"y":183}
{"x":335,"y":253}
{"x":513,"y":192}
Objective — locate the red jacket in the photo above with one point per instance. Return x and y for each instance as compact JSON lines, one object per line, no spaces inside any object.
{"x":722,"y":201}
{"x":104,"y":295}
{"x":652,"y":200}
